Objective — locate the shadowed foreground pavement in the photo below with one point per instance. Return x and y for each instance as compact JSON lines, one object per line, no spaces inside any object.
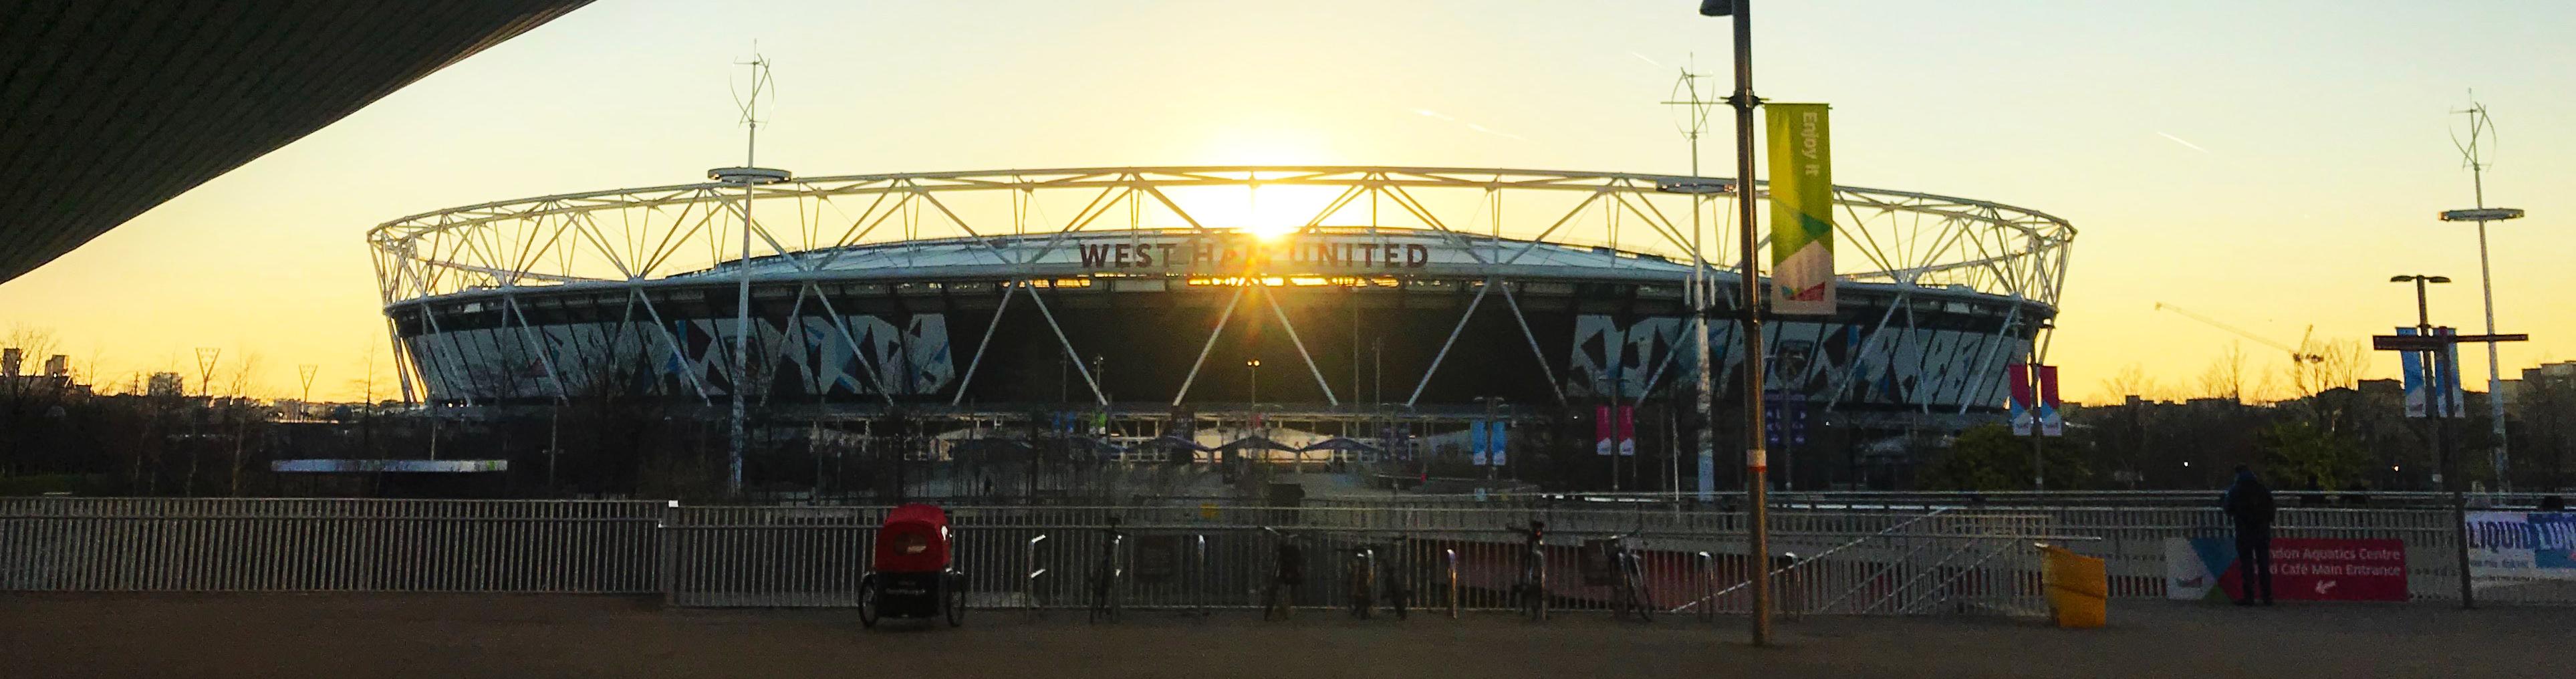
{"x":378,"y":636}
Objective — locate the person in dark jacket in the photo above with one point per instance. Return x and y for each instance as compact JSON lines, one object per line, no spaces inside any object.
{"x":2249,"y":505}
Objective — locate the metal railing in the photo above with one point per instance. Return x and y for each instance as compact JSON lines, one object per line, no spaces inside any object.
{"x":234,"y":545}
{"x":1854,"y":559}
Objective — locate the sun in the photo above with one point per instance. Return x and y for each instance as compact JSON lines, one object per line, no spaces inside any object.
{"x":1264,"y":210}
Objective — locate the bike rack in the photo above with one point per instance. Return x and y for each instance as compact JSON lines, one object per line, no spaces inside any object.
{"x":1453,"y":582}
{"x":1707,"y":587}
{"x":1366,"y":555}
{"x":1199,"y":593}
{"x":1789,"y":595}
{"x":1029,"y":586}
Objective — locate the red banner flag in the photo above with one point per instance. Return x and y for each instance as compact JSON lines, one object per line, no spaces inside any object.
{"x":1627,"y":430}
{"x":2019,"y":409}
{"x":1601,"y":431}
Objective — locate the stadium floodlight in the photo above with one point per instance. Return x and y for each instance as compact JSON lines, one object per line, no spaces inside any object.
{"x":749,"y":175}
{"x":2487,"y":214}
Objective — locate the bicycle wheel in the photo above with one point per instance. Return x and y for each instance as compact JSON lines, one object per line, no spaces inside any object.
{"x":953,"y":597}
{"x":868,"y":602}
{"x":1099,"y":598}
{"x":1116,"y":603}
{"x":1634,"y":582}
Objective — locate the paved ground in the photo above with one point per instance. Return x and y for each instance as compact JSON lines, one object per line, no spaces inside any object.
{"x":383,"y":636}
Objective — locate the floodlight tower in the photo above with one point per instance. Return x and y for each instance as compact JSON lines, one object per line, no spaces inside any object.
{"x":2475,"y":152}
{"x":747,"y":176}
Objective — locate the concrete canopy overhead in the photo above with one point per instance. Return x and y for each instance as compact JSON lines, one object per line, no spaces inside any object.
{"x":110,"y":107}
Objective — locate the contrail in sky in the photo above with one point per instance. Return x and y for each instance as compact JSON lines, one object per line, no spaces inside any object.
{"x":2178,"y":140}
{"x":1644,"y":58}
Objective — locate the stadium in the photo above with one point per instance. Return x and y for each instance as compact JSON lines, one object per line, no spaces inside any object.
{"x":1357,"y":318}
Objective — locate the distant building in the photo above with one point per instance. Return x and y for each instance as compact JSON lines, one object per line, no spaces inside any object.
{"x":14,"y":376}
{"x":2563,"y":372}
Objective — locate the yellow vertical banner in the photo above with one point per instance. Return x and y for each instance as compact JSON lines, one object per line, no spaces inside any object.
{"x":1802,"y":209}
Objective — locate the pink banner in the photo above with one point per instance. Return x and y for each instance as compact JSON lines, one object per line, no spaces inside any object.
{"x":1601,"y":438}
{"x":1627,"y":430}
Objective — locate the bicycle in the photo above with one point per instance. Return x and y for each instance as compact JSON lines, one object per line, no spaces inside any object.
{"x":1105,"y":576}
{"x":1288,"y":572}
{"x":1629,"y":590}
{"x":1529,"y":592}
{"x":1396,"y":577}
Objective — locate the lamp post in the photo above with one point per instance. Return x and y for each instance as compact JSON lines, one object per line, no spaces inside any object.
{"x":2437,"y":406}
{"x":2038,"y":463}
{"x":1755,"y":462}
{"x":2436,"y":402}
{"x":1254,"y":366}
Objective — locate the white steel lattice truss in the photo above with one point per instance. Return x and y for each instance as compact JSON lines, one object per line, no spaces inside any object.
{"x":803,"y":229}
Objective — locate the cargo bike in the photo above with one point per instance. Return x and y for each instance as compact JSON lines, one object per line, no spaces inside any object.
{"x":912,"y":573}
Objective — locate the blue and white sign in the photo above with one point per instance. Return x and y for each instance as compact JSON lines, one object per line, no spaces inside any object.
{"x":2506,"y":548}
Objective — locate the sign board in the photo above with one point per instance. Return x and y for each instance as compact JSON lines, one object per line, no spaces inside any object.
{"x":2521,"y":548}
{"x":2303,"y":569}
{"x":2406,"y":342}
{"x":1234,"y":253}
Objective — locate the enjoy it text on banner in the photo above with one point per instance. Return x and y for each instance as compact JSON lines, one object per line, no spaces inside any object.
{"x":1802,"y":209}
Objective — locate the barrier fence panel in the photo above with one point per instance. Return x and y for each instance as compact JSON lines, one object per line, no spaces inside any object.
{"x":263,"y":545}
{"x":1196,"y":554}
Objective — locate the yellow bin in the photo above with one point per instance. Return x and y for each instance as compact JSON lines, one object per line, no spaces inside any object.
{"x":2078,"y":588}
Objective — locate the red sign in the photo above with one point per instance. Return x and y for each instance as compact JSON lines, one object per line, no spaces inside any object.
{"x":2047,"y":378}
{"x":1627,"y":430}
{"x":2330,"y":569}
{"x":1601,"y":428}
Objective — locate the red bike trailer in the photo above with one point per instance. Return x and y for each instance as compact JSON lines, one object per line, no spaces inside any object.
{"x":912,"y":573}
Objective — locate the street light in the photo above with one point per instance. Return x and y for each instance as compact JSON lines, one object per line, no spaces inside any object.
{"x":2423,"y":318}
{"x":2437,"y":402}
{"x":1758,"y":533}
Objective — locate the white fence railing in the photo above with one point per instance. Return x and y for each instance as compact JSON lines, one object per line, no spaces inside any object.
{"x":1830,"y":561}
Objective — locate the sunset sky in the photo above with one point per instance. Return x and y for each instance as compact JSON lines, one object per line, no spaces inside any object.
{"x":2267,"y":164}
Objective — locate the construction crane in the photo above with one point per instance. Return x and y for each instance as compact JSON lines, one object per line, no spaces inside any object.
{"x":2297,"y":354}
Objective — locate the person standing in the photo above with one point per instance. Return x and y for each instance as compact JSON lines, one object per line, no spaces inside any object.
{"x":2249,"y":506}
